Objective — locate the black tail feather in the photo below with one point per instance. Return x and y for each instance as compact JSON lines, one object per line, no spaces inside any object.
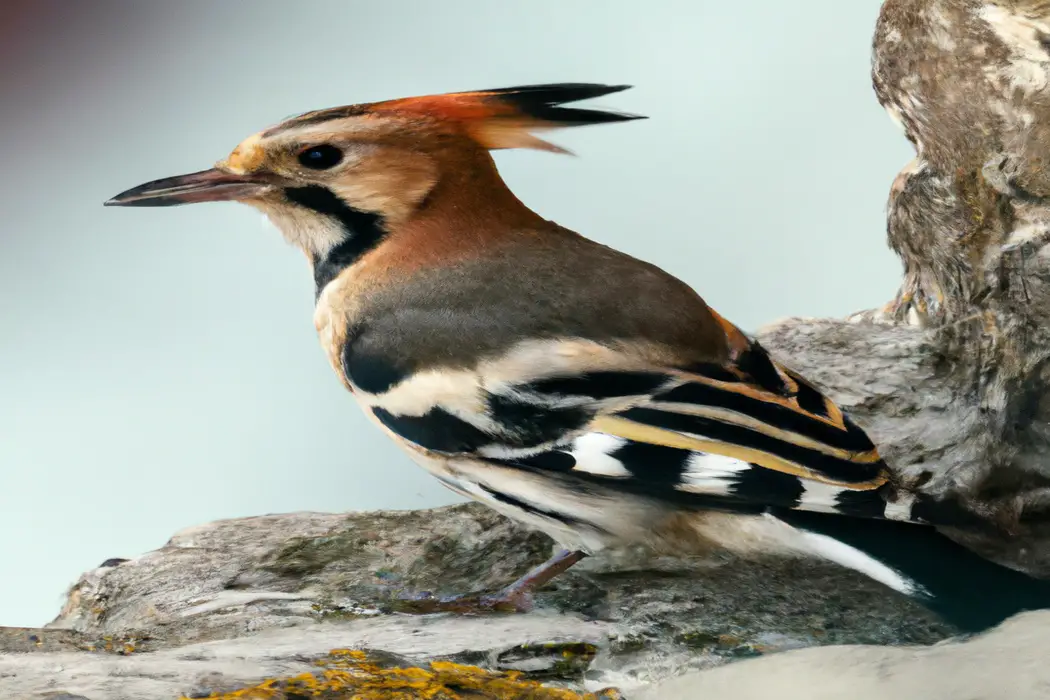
{"x":965,"y":589}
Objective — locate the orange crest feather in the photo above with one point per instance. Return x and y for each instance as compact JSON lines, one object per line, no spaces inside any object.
{"x":505,"y":118}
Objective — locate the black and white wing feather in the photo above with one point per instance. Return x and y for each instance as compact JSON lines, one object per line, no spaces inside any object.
{"x":744,"y":438}
{"x":740,"y":437}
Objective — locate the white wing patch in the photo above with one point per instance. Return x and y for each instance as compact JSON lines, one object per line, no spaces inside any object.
{"x":593,"y":451}
{"x":702,"y":473}
{"x":708,"y":473}
{"x":819,"y":496}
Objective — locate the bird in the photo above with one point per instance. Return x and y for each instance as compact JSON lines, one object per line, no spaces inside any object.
{"x":582,"y":391}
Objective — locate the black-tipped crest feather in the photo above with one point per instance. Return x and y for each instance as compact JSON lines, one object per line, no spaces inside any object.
{"x":543,"y":102}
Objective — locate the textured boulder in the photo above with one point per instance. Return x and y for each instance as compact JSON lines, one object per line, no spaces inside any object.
{"x":1007,"y":663}
{"x":237,"y":602}
{"x":962,"y":409}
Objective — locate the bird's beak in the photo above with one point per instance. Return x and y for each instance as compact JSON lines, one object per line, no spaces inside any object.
{"x":211,"y":185}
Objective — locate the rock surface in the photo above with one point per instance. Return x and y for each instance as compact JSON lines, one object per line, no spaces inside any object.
{"x":1008,"y":663}
{"x":969,"y":82}
{"x":239,"y":601}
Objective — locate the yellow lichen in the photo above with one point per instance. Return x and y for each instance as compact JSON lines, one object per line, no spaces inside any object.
{"x":349,"y":674}
{"x":112,"y":645}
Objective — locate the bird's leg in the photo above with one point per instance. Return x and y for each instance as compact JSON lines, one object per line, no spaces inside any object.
{"x":516,"y":597}
{"x":539,"y":576}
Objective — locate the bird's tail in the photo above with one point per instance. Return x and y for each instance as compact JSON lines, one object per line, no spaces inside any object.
{"x":965,"y":589}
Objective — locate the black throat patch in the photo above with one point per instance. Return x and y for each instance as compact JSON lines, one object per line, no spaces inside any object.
{"x":364,"y":230}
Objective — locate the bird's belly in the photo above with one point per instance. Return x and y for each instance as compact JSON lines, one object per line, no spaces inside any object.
{"x":575,"y":519}
{"x":589,"y":519}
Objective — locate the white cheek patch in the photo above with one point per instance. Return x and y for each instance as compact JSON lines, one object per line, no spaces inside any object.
{"x":315,"y":235}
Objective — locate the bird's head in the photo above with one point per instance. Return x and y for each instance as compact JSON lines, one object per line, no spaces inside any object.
{"x":321,"y":175}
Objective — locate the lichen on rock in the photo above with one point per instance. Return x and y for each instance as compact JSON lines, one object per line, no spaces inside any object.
{"x":358,"y":675}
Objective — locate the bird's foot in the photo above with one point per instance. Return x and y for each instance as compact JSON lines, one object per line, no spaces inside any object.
{"x":515,"y":598}
{"x":504,"y":601}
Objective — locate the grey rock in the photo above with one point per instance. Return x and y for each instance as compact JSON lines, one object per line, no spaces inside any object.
{"x":263,"y":597}
{"x":970,"y":218}
{"x":1007,"y":663}
{"x":951,"y":376}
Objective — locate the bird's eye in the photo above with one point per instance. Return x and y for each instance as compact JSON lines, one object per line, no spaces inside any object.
{"x":321,"y":157}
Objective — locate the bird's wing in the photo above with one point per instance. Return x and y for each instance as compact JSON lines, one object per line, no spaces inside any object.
{"x":746,"y":435}
{"x":743,"y":435}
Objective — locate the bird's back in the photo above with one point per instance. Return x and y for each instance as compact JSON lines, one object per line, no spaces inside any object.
{"x":543,"y":337}
{"x":545,"y":283}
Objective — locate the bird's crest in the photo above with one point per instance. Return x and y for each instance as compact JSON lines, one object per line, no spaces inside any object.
{"x":496,"y":119}
{"x":505,"y":117}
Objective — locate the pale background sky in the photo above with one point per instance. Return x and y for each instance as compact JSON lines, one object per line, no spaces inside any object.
{"x":160,"y":367}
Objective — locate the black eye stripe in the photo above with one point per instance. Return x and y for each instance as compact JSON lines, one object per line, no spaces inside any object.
{"x":320,"y":157}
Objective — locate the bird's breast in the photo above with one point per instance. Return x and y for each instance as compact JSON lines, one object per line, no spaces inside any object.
{"x":338,"y":308}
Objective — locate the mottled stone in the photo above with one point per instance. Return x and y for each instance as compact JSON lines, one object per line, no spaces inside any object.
{"x":1007,"y":663}
{"x":951,"y":377}
{"x":970,"y":218}
{"x":234,"y":602}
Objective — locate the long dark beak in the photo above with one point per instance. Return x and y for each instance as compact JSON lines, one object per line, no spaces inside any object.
{"x":211,"y":185}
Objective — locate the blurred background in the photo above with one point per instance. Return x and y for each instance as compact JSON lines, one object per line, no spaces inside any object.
{"x":160,"y":367}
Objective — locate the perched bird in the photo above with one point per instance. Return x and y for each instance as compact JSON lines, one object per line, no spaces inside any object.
{"x":563,"y":383}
